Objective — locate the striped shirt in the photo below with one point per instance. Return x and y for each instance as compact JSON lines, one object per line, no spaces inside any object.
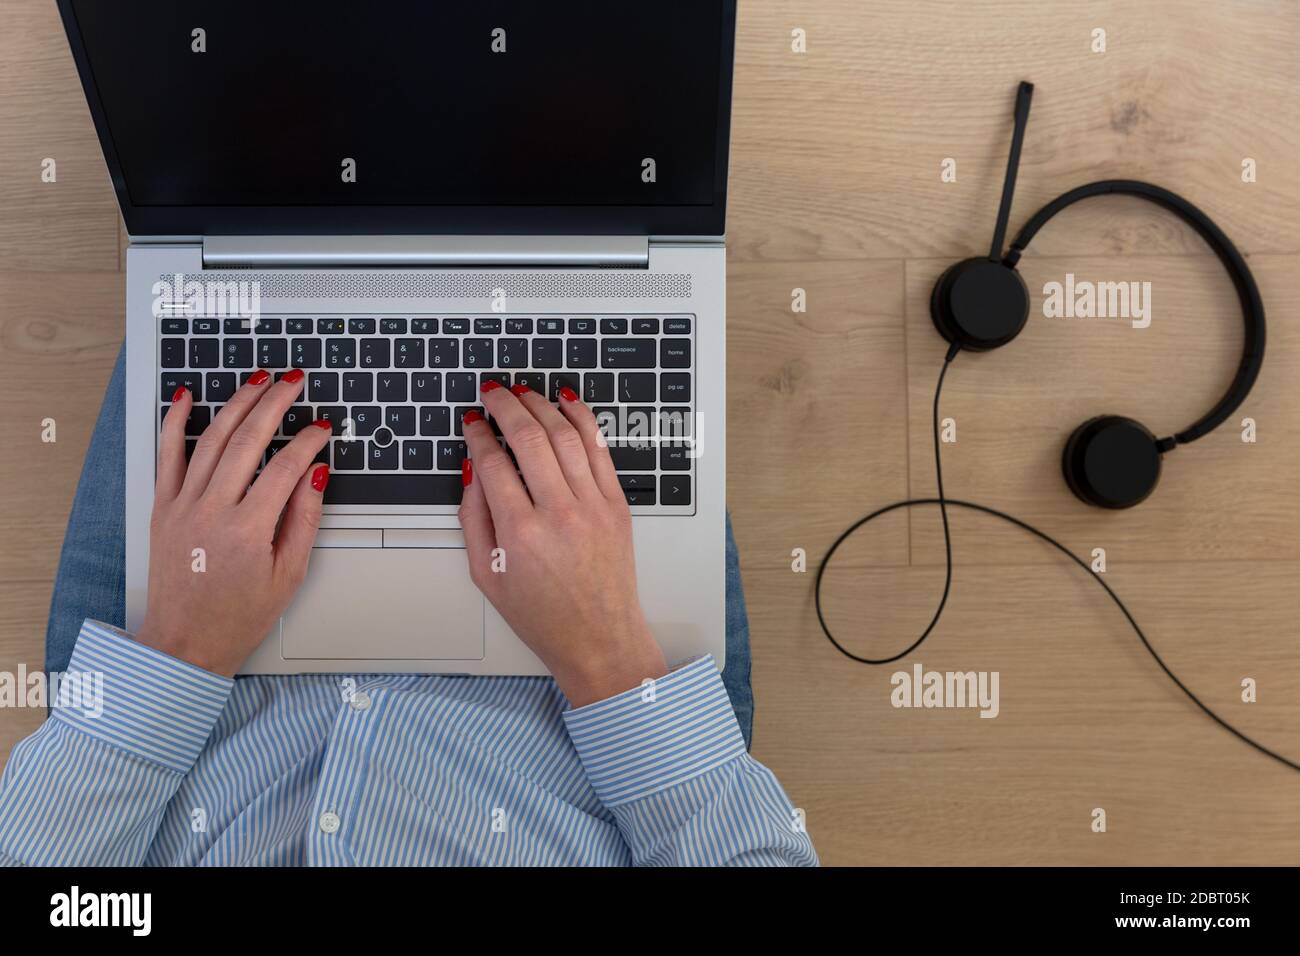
{"x":174,"y":765}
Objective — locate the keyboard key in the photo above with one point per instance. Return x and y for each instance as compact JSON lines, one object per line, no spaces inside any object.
{"x":361,"y":326}
{"x":417,"y":456}
{"x":598,"y":387}
{"x":548,"y":353}
{"x":175,"y":326}
{"x":636,"y":387}
{"x":627,"y":353}
{"x":298,"y":326}
{"x":172,"y":353}
{"x":424,"y":326}
{"x":334,"y":414}
{"x":444,"y":353}
{"x":633,"y":457}
{"x":677,"y":326}
{"x":365,"y":420}
{"x":305,"y":353}
{"x":205,"y":353}
{"x":636,"y":482}
{"x":487,"y":326}
{"x":237,"y":326}
{"x":374,"y":352}
{"x":675,"y":387}
{"x":455,"y":326}
{"x":674,"y":458}
{"x":390,"y":387}
{"x":675,"y":353}
{"x":450,"y":455}
{"x":582,"y":326}
{"x":399,"y":489}
{"x":269,"y":326}
{"x":534,"y":380}
{"x":237,"y":353}
{"x":358,"y":387}
{"x":400,"y":419}
{"x":550,"y":326}
{"x":462,"y":386}
{"x":329,"y":326}
{"x":675,"y":489}
{"x":382,"y":457}
{"x":426,"y":386}
{"x":477,"y":353}
{"x":296,"y":419}
{"x":435,"y":420}
{"x":408,"y":353}
{"x":200,"y":418}
{"x":512,"y":353}
{"x":273,"y":449}
{"x":272,"y":353}
{"x":392,"y":326}
{"x":645,"y":326}
{"x":501,"y":378}
{"x":458,"y":416}
{"x":323,"y":387}
{"x":206,"y":327}
{"x":219,"y":386}
{"x":561,"y":380}
{"x":519,"y":326}
{"x":613,"y":326}
{"x":643,"y":497}
{"x":581,"y":353}
{"x":349,"y":456}
{"x":341,"y":353}
{"x":675,"y":422}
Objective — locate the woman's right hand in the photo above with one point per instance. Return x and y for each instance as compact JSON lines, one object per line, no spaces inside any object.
{"x":226,"y":558}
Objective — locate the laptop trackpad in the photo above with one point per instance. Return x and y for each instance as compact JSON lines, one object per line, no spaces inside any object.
{"x":385,"y":604}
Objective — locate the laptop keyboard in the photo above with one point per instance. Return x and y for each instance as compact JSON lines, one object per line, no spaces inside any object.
{"x":396,"y":388}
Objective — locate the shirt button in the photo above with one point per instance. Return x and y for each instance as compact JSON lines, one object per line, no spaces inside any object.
{"x":329,"y":822}
{"x":361,"y":701}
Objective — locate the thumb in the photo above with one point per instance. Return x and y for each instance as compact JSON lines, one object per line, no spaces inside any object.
{"x":476,"y":521}
{"x":300,"y":521}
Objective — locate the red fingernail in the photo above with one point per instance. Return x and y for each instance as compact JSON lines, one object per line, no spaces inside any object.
{"x":293,"y":377}
{"x":490,"y":385}
{"x":258,"y":378}
{"x":520,"y":389}
{"x":180,"y":393}
{"x":471,"y":417}
{"x":568,"y":394}
{"x":322,"y":423}
{"x":466,"y":472}
{"x":320,"y":477}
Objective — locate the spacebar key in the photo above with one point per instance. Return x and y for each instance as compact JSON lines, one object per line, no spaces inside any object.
{"x":345,"y":489}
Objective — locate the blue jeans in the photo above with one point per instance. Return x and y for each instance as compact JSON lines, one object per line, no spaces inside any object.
{"x":92,"y":568}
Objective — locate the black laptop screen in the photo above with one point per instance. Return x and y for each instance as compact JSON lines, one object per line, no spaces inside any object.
{"x":257,"y":103}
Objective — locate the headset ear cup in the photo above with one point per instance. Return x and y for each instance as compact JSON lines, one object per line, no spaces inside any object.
{"x":1112,"y":462}
{"x":979,"y":304}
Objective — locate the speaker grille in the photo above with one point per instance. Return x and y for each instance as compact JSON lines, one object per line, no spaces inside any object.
{"x":608,"y":284}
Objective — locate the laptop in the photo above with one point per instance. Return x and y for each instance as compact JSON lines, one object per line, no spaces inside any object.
{"x":404,"y":200}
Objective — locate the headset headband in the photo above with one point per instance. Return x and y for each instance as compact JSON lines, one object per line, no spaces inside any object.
{"x":1252,"y":307}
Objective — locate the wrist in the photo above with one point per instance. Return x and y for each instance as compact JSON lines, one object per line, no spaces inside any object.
{"x":601,"y":676}
{"x":193,"y":652}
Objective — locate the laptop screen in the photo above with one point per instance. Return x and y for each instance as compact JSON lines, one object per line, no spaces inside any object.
{"x":254,"y":116}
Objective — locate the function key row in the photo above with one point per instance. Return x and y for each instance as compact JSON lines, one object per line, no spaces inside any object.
{"x":486,"y":326}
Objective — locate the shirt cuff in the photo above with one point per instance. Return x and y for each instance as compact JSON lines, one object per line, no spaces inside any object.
{"x":138,"y":699}
{"x":656,"y":736}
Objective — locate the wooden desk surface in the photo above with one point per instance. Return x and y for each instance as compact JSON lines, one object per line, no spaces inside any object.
{"x":835,"y":189}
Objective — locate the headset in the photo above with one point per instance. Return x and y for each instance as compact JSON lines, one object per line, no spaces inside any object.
{"x":1109,"y":461}
{"x":981,"y":304}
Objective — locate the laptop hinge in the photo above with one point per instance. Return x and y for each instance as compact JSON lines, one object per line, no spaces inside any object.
{"x":629,"y":252}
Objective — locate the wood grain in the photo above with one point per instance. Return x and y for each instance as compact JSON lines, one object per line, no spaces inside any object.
{"x":835,"y":189}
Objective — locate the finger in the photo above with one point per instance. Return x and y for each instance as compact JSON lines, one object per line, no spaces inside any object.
{"x":299,"y":523}
{"x":492,"y":466}
{"x":476,"y":521}
{"x":566,"y":443}
{"x":212,"y":443}
{"x":602,"y":465}
{"x":247,"y":443}
{"x":171,"y":446}
{"x":284,"y":471}
{"x":531,"y":445}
